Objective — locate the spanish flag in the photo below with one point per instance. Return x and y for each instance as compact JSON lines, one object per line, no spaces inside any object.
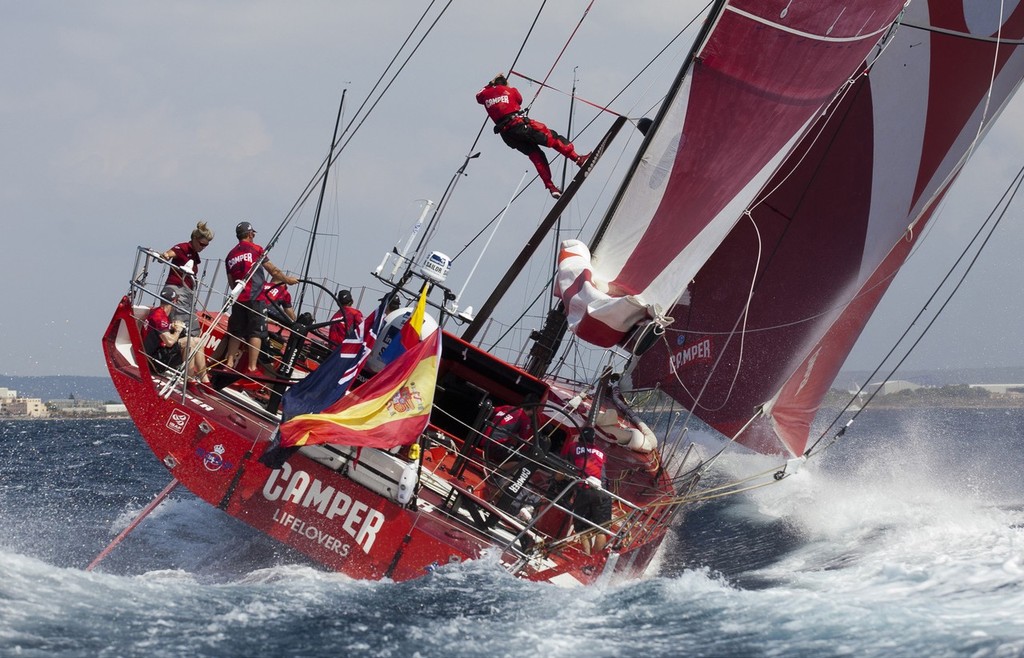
{"x":389,"y":410}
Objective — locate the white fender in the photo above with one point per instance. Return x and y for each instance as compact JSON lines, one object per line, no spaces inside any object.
{"x":407,"y":483}
{"x":606,"y":418}
{"x":644,"y":440}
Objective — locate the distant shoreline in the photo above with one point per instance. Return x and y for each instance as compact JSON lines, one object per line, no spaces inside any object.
{"x":966,"y":404}
{"x":68,"y":417}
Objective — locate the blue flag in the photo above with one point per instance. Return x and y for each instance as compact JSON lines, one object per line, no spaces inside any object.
{"x":329,"y":382}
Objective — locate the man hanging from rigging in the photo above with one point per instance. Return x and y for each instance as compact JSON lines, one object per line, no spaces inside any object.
{"x":504,"y":105}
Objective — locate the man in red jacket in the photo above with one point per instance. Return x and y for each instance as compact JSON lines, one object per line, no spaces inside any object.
{"x":504,"y":105}
{"x":347,"y":322}
{"x":590,"y":501}
{"x":248,"y":321}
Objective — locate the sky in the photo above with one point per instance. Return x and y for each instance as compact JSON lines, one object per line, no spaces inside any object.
{"x":124,"y":123}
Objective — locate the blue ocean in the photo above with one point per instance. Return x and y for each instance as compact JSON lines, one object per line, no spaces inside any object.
{"x":905,"y":539}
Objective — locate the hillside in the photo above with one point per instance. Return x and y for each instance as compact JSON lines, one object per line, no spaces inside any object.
{"x":55,"y":387}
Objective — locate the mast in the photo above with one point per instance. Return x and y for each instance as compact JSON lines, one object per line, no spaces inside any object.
{"x":320,"y":201}
{"x":547,"y":340}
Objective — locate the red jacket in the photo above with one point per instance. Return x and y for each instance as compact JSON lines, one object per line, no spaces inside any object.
{"x":509,"y":421}
{"x":239,"y":261}
{"x":183,"y":253}
{"x":588,"y":458}
{"x":500,"y":101}
{"x":157,"y":323}
{"x":353,"y":321}
{"x":273,"y":292}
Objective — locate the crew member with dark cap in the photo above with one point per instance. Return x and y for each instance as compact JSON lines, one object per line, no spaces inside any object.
{"x":248,"y":321}
{"x":163,"y":342}
{"x":590,"y":501}
{"x":370,"y":327}
{"x":504,"y":105}
{"x":347,"y":322}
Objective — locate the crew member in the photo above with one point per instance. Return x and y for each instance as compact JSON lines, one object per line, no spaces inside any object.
{"x":509,"y":440}
{"x":504,"y":105}
{"x":185,"y":260}
{"x":347,"y":322}
{"x":162,"y":339}
{"x":276,"y":294}
{"x":508,"y":431}
{"x":248,"y":322}
{"x":590,"y":501}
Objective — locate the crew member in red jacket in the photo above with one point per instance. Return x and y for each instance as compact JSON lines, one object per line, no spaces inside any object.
{"x":163,"y":340}
{"x":504,"y":105}
{"x":185,"y":261}
{"x":347,"y":322}
{"x":248,"y":321}
{"x":590,"y":501}
{"x":509,"y":433}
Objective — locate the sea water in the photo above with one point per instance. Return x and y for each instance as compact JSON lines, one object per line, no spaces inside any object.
{"x":905,"y":539}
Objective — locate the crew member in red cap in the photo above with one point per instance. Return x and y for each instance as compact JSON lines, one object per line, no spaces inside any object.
{"x":248,"y":321}
{"x":504,"y":105}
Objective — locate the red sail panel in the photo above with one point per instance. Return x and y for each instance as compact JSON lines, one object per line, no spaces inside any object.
{"x":763,"y":73}
{"x":834,"y":230}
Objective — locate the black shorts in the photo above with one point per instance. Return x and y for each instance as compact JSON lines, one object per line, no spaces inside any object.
{"x":247,"y":320}
{"x":593,"y":505}
{"x":165,"y":358}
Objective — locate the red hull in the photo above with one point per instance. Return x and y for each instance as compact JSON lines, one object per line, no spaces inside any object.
{"x":211,"y":444}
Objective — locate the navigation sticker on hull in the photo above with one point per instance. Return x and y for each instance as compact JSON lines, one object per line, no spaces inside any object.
{"x":178,"y":420}
{"x":213,"y":460}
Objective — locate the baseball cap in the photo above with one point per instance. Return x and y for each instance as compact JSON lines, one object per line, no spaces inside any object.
{"x":243,"y":229}
{"x":168,"y":296}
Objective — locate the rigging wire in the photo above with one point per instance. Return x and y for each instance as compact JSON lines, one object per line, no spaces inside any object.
{"x":311,"y":185}
{"x":557,"y":59}
{"x":320,"y":204}
{"x":356,"y":122}
{"x":991,"y":82}
{"x":571,"y":94}
{"x":1005,"y":201}
{"x":622,"y":91}
{"x":450,"y":190}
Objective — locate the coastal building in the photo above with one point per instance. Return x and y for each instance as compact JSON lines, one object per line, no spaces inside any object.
{"x":7,"y":395}
{"x":15,"y":407}
{"x":893,"y":386}
{"x":74,"y":406}
{"x":28,"y":407}
{"x":1002,"y":389}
